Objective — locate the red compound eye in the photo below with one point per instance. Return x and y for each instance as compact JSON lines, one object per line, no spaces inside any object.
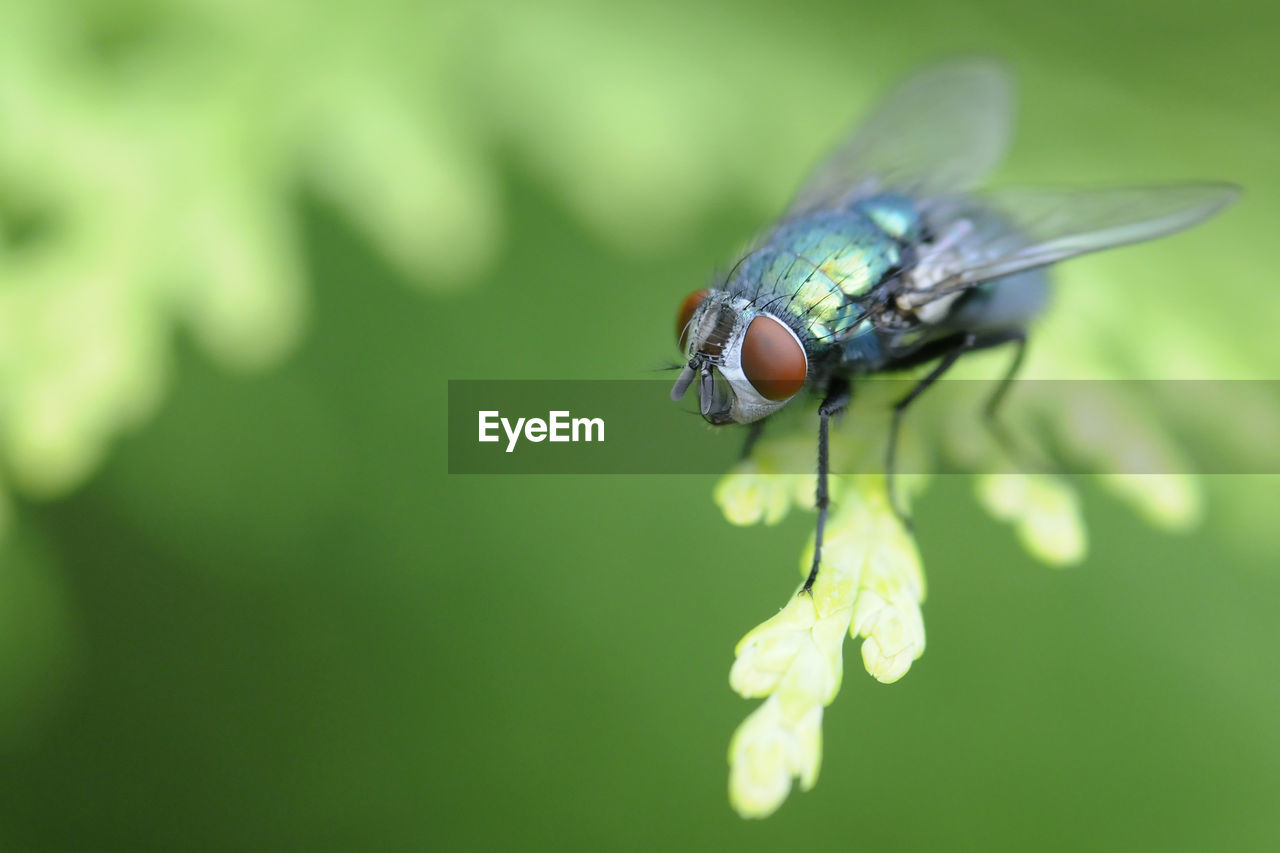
{"x":685,"y":314}
{"x":773,"y":359}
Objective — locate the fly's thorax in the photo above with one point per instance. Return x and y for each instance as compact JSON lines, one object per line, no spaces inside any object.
{"x":757,"y":362}
{"x":817,"y":271}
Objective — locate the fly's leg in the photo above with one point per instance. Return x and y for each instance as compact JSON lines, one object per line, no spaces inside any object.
{"x":754,"y":430}
{"x":991,"y":410}
{"x":836,"y":400}
{"x":967,"y":343}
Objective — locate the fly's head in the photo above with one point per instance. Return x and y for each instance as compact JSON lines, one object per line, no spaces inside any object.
{"x":747,"y":363}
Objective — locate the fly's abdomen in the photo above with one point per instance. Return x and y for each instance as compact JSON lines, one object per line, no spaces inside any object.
{"x":1003,"y":303}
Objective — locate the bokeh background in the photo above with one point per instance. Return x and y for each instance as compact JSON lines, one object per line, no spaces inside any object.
{"x":242,"y":606}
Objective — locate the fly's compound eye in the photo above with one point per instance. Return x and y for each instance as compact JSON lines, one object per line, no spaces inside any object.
{"x":685,"y":314}
{"x":773,"y":359}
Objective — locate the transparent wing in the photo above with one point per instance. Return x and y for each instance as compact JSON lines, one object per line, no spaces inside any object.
{"x":941,"y":130}
{"x":1001,"y":232}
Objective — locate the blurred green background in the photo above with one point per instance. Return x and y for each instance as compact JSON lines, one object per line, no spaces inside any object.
{"x":243,"y":607}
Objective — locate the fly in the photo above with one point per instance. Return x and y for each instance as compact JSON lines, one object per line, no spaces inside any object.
{"x":889,"y":258}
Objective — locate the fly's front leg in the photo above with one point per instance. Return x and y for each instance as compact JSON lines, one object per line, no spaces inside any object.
{"x":991,"y":410}
{"x":836,"y":400}
{"x":967,"y":343}
{"x":1019,"y":340}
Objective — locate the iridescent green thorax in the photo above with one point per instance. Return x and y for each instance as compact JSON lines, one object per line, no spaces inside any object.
{"x":816,"y":269}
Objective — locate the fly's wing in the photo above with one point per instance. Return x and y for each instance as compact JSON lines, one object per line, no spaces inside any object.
{"x":1001,"y":232}
{"x":941,"y":130}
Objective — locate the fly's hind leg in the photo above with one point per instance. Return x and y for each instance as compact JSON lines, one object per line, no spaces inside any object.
{"x":836,"y":400}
